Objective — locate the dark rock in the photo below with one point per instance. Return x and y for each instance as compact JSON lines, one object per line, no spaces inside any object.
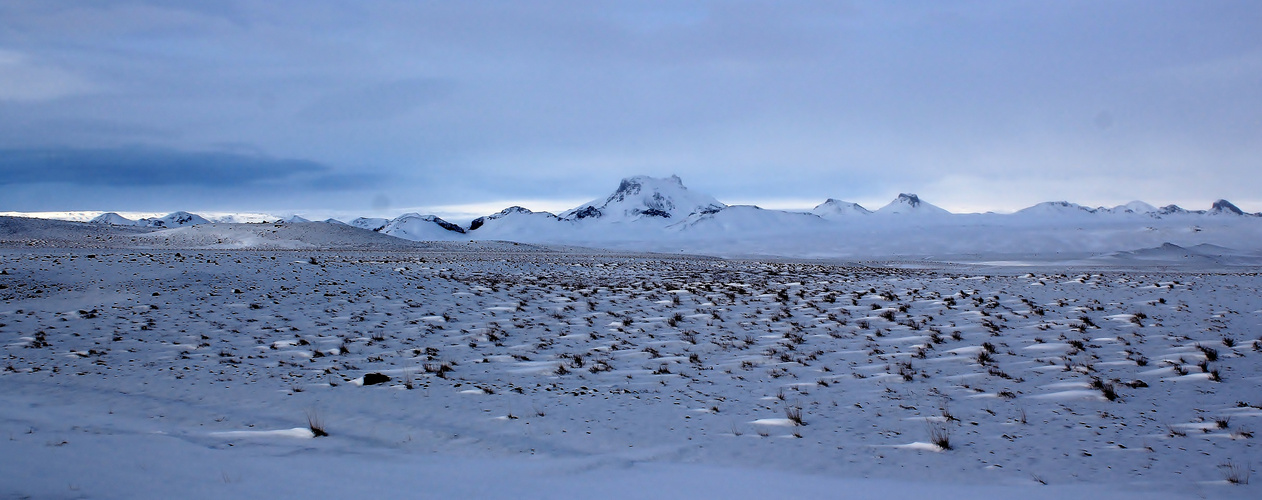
{"x":375,"y":378}
{"x":588,"y":211}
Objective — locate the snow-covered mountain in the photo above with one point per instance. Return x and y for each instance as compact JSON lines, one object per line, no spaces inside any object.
{"x":174,"y":219}
{"x":410,"y":226}
{"x":1064,"y":208}
{"x":1224,"y":207}
{"x":370,"y":223}
{"x":833,"y":208}
{"x":419,"y":227}
{"x":749,"y":222}
{"x":1134,"y":207}
{"x":513,"y":212}
{"x":643,"y":197}
{"x":910,"y":204}
{"x":521,"y":224}
{"x":113,"y":219}
{"x":660,"y":214}
{"x":1055,"y":209}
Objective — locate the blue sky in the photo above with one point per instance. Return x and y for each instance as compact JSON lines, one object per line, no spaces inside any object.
{"x":376,"y":107}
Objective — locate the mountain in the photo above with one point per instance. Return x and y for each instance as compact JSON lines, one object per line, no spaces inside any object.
{"x":1224,"y":207}
{"x":242,"y":218}
{"x":748,"y":221}
{"x":370,"y":223}
{"x":417,"y":227}
{"x":1171,"y":210}
{"x":1056,"y":208}
{"x":520,"y":224}
{"x":509,"y":212}
{"x":833,"y":208}
{"x":910,"y":204}
{"x":112,"y":219}
{"x":643,"y":197}
{"x":1134,"y":207}
{"x":294,"y":219}
{"x":174,"y":219}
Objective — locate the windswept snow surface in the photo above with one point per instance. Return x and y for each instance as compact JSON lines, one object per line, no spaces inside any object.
{"x":519,"y":372}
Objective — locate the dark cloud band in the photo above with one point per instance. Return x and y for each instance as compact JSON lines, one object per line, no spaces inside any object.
{"x":130,"y":167}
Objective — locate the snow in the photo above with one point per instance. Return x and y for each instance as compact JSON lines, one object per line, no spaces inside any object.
{"x":175,"y":371}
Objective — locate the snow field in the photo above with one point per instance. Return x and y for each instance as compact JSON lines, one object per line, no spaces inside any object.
{"x":577,"y":368}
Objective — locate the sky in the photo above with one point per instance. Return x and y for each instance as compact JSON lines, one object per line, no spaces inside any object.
{"x":463,"y":108}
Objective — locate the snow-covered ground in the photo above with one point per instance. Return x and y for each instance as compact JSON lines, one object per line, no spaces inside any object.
{"x":518,"y":371}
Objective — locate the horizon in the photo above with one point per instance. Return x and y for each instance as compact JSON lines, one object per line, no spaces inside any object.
{"x":465,"y":213}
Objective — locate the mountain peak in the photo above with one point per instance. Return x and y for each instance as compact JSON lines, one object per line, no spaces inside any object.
{"x":1226,"y":208}
{"x":174,"y":219}
{"x":112,"y":218}
{"x":1137,"y":207}
{"x":833,"y":207}
{"x":908,"y":203}
{"x":510,"y":211}
{"x":642,"y":196}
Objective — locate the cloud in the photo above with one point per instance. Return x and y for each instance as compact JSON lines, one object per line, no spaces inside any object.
{"x":22,"y":79}
{"x":147,"y":167}
{"x":376,"y":102}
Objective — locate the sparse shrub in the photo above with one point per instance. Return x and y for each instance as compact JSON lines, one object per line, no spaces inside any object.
{"x":1234,"y":473}
{"x":984,"y":358}
{"x":907,"y":371}
{"x":794,"y":414}
{"x":940,"y":435}
{"x":316,"y":424}
{"x":1210,"y":353}
{"x":1106,"y":388}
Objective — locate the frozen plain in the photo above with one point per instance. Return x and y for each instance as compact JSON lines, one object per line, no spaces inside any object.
{"x":535,"y":372}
